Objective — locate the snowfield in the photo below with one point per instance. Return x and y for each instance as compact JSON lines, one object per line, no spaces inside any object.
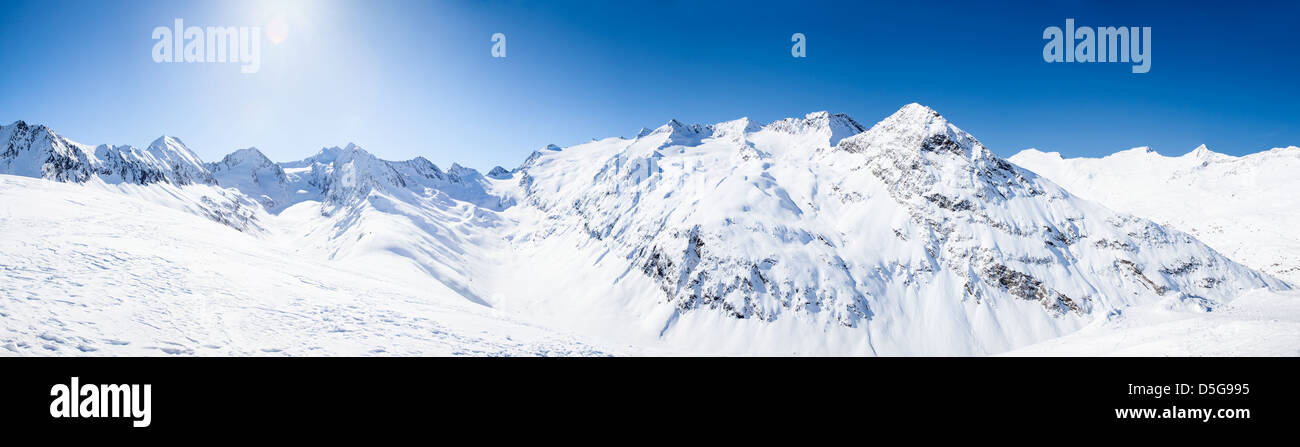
{"x":86,"y":270}
{"x":1257,"y":323}
{"x":805,"y":236}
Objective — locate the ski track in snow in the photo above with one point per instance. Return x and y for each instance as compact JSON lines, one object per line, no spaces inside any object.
{"x":115,"y":275}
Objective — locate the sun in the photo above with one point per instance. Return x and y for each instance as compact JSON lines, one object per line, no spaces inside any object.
{"x":280,"y":17}
{"x":277,"y":29}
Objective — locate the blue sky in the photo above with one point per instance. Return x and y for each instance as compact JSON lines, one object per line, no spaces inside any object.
{"x":407,"y":78}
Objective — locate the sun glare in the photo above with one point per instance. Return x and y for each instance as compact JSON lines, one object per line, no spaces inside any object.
{"x":282,"y":19}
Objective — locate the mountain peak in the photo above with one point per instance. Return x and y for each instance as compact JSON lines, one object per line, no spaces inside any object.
{"x":1033,"y":152}
{"x":499,"y":173}
{"x":676,"y":125}
{"x":1135,"y":152}
{"x":915,"y":127}
{"x":915,"y":117}
{"x":679,"y":134}
{"x":825,"y":117}
{"x":1202,"y":152}
{"x":250,"y":155}
{"x":1204,"y":156}
{"x":328,"y":155}
{"x":834,"y":127}
{"x":36,"y":128}
{"x":171,"y":151}
{"x":737,"y":127}
{"x":817,"y":115}
{"x":251,"y":150}
{"x":462,"y":171}
{"x":168,"y":141}
{"x":916,"y":113}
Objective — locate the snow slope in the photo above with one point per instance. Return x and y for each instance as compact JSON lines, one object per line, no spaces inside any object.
{"x":87,"y":271}
{"x":408,"y":216}
{"x":1245,"y":207}
{"x":1257,"y":323}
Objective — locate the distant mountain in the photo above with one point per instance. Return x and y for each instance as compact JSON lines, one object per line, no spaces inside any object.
{"x":1245,"y":207}
{"x":36,"y":151}
{"x":341,"y":176}
{"x":249,"y":171}
{"x":185,"y":181}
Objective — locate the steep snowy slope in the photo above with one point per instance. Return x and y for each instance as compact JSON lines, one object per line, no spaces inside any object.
{"x":89,"y":272}
{"x":1245,"y":207}
{"x":908,"y":238}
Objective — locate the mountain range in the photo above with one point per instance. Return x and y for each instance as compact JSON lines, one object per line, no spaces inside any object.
{"x":813,"y":235}
{"x":1245,"y":207}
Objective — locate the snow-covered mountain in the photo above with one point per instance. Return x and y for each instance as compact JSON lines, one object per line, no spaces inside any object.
{"x":910,"y":237}
{"x":36,"y":151}
{"x":811,"y":235}
{"x":166,"y":172}
{"x":408,"y":216}
{"x":1245,"y":207}
{"x":249,"y":171}
{"x":340,"y":176}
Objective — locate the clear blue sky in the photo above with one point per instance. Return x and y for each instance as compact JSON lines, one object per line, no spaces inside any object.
{"x":417,"y":78}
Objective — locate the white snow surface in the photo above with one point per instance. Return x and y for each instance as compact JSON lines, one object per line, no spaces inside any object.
{"x":805,"y":236}
{"x":1257,"y":323}
{"x":88,"y":270}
